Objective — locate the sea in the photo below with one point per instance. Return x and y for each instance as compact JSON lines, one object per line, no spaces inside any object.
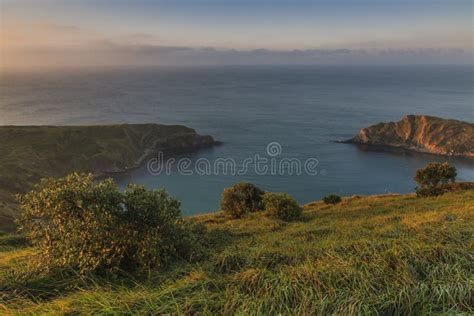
{"x":277,"y":117}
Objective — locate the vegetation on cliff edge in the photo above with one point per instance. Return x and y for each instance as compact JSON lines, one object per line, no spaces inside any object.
{"x":29,"y":153}
{"x":394,"y":254}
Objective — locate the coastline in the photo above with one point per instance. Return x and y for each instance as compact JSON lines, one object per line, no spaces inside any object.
{"x":422,"y":134}
{"x":30,"y":153}
{"x":401,"y":150}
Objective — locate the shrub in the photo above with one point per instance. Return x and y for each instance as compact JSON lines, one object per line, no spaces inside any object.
{"x":435,"y":173}
{"x":91,"y":226}
{"x":241,"y":199}
{"x":332,"y":199}
{"x":282,"y":206}
{"x":430,"y":191}
{"x":434,"y":179}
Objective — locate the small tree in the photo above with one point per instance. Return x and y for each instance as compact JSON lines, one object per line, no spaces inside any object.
{"x":282,"y":206}
{"x":242,"y":198}
{"x":332,"y":199}
{"x":92,"y":226}
{"x":433,"y":178}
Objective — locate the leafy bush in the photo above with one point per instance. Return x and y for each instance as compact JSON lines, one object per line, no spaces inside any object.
{"x":434,"y":179}
{"x":435,"y":173}
{"x":282,"y":206}
{"x":241,"y":199}
{"x":430,"y":191}
{"x":92,"y":226}
{"x":332,"y":199}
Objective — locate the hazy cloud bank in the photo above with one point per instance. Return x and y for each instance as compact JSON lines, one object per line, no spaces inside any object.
{"x":141,"y":55}
{"x":57,"y":46}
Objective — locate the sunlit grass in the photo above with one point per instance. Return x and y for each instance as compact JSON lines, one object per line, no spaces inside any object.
{"x":366,"y":255}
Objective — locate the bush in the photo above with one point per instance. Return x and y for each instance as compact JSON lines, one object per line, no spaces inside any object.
{"x":282,"y":206}
{"x":435,"y":173}
{"x":91,"y":226}
{"x":241,"y":199}
{"x":434,"y":179}
{"x":332,"y":199}
{"x":430,"y":191}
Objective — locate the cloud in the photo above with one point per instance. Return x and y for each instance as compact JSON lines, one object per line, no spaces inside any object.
{"x":59,"y":28}
{"x":137,"y":39}
{"x":17,"y":37}
{"x":112,"y":54}
{"x":66,"y":45}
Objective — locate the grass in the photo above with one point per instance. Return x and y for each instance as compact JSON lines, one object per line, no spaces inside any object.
{"x":392,"y":255}
{"x":29,"y":153}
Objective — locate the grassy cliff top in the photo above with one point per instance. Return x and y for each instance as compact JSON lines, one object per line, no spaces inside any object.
{"x":29,"y":153}
{"x":394,"y":254}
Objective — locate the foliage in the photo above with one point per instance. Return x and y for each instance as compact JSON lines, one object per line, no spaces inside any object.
{"x":332,"y":199}
{"x":92,"y":226}
{"x":434,"y":178}
{"x":282,"y":206}
{"x":375,"y":255}
{"x":29,"y":153}
{"x":241,"y":199}
{"x":10,"y":241}
{"x":435,"y":173}
{"x":427,"y":191}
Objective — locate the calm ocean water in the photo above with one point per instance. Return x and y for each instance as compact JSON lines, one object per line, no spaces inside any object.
{"x":304,"y":109}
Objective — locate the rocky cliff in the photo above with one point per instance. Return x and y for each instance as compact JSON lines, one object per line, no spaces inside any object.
{"x":29,"y":153}
{"x":421,"y":133}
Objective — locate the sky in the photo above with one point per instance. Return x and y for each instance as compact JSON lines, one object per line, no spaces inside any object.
{"x":163,"y":32}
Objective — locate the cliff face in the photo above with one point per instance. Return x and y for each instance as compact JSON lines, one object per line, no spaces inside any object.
{"x":29,"y":153}
{"x":423,"y":134}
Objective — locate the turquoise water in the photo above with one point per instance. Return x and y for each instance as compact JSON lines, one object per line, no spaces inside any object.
{"x":304,"y":109}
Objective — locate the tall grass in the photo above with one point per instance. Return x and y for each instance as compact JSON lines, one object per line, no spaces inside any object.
{"x":393,"y":255}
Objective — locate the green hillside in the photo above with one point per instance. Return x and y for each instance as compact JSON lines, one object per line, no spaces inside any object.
{"x":394,"y":254}
{"x":29,"y":153}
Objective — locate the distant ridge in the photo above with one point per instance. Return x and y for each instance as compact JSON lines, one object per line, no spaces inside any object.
{"x":421,"y":133}
{"x":29,"y":153}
